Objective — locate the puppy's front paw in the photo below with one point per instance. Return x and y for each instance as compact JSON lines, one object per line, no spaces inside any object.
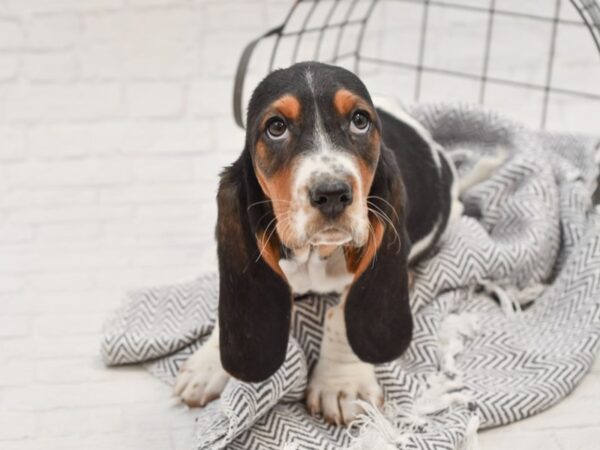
{"x":335,"y":386}
{"x":202,"y":377}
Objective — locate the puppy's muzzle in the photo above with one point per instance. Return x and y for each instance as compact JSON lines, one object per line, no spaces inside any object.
{"x":331,"y":197}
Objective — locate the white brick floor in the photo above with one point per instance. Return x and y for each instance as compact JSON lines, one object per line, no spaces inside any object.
{"x":115,"y":120}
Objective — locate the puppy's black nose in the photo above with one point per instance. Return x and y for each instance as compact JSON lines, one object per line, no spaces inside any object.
{"x":331,"y":197}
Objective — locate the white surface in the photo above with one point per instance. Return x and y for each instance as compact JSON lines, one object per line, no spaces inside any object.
{"x":114,"y":123}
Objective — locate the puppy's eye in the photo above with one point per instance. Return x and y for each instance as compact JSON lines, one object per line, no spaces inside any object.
{"x":359,"y":123}
{"x":277,"y":128}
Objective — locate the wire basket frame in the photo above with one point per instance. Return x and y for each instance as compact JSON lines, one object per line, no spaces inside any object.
{"x":341,"y":26}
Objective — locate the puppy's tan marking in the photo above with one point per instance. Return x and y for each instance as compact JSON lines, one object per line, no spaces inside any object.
{"x":358,"y":259}
{"x":345,"y":102}
{"x":288,"y":106}
{"x":375,"y":148}
{"x":270,"y":251}
{"x":261,"y":152}
{"x":367,"y":173}
{"x":278,"y":188}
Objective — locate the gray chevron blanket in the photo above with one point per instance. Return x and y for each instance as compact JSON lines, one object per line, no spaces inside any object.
{"x":507,"y":312}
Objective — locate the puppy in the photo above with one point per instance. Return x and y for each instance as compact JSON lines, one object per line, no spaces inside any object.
{"x":330,"y":194}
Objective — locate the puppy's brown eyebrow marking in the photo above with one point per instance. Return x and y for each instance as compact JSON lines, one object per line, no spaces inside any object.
{"x":288,"y":105}
{"x":345,"y":101}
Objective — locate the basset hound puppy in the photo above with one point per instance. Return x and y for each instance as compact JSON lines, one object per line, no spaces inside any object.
{"x":330,"y":194}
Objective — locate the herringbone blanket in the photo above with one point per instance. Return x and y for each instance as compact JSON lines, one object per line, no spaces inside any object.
{"x":507,"y":312}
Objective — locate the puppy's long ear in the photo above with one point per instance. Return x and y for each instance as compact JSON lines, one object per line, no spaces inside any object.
{"x":377,"y":310}
{"x":254,"y":299}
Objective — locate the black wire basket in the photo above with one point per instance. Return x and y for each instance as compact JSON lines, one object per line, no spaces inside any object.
{"x":408,"y":46}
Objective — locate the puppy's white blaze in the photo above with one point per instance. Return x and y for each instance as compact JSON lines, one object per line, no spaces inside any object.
{"x":393,"y":107}
{"x":326,"y":160}
{"x":310,"y":80}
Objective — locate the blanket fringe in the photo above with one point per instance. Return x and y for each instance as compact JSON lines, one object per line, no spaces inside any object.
{"x":391,"y":428}
{"x":375,"y":430}
{"x":471,"y":439}
{"x":453,"y":332}
{"x":441,"y":393}
{"x":512,"y":299}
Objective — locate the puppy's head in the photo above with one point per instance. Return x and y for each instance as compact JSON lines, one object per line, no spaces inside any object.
{"x":314,"y":139}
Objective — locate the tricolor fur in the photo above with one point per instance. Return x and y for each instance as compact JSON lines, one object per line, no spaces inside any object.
{"x":329,"y":194}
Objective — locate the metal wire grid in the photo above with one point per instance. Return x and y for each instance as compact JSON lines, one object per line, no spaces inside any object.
{"x":357,"y":14}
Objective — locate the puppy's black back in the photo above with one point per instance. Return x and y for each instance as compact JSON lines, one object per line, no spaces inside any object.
{"x":428,"y":187}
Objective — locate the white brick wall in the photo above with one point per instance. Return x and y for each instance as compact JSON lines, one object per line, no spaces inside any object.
{"x":115,"y":120}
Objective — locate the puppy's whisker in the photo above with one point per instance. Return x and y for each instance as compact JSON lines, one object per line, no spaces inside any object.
{"x":263,"y":216}
{"x":283,"y":219}
{"x":380,"y":215}
{"x":371,"y":238}
{"x":269,"y":211}
{"x":379,"y":208}
{"x":252,"y":205}
{"x":383,"y":214}
{"x":377,"y":197}
{"x":265,"y":242}
{"x":374,"y":234}
{"x":381,"y":220}
{"x":272,"y":200}
{"x":272,"y":221}
{"x":286,"y":224}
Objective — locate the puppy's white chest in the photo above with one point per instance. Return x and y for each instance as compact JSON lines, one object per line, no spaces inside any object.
{"x":308,"y":271}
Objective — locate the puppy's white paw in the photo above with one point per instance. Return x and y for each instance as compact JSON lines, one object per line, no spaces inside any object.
{"x":202,"y":377}
{"x":335,"y":386}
